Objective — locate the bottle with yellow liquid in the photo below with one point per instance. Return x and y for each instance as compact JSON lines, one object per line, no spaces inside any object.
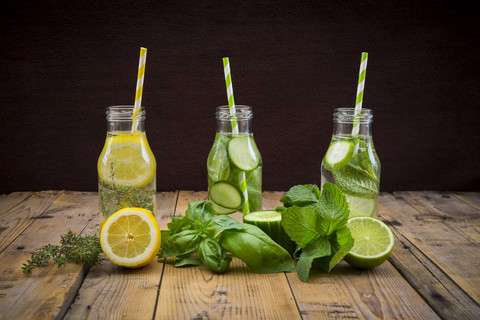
{"x":126,"y":166}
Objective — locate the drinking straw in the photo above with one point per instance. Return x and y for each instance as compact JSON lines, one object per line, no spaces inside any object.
{"x":358,"y":103}
{"x":231,"y":107}
{"x":139,"y":91}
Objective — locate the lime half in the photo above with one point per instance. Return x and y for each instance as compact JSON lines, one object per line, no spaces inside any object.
{"x":373,"y":242}
{"x":361,"y":207}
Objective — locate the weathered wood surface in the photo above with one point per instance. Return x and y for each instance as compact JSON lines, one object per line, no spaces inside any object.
{"x":431,"y":274}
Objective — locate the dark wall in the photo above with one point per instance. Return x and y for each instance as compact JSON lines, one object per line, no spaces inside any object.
{"x":63,"y":62}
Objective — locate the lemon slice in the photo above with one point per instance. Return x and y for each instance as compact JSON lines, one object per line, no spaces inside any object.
{"x":127,"y":160}
{"x":373,"y":242}
{"x":130,"y":237}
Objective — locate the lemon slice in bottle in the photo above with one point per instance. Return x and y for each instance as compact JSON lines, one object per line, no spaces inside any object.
{"x":127,"y":160}
{"x":131,"y":237}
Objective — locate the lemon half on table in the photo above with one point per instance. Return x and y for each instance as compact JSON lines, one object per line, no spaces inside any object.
{"x":127,"y":160}
{"x":131,"y":237}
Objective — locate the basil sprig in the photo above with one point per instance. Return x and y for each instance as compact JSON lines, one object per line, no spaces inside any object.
{"x":202,"y":237}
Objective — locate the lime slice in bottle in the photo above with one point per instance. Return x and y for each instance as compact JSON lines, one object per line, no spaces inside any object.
{"x":361,"y":207}
{"x":338,"y":155}
{"x":373,"y":242}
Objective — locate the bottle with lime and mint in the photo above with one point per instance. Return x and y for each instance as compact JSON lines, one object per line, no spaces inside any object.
{"x":351,"y":161}
{"x":234,"y":164}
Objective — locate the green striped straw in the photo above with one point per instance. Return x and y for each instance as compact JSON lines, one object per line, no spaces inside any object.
{"x":231,"y":106}
{"x":358,"y":103}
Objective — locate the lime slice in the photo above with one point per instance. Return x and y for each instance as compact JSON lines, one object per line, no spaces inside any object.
{"x":338,"y":155}
{"x":361,"y":207}
{"x":373,"y":242}
{"x":127,"y":160}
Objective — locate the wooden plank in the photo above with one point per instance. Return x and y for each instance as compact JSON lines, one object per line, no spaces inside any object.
{"x":472,"y":198}
{"x":17,"y":219}
{"x":438,"y":236}
{"x":9,"y":201}
{"x":198,"y":293}
{"x":113,"y":292}
{"x":435,"y":287}
{"x":48,"y":292}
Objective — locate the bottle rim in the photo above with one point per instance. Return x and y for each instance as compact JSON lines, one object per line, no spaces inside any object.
{"x":125,"y":113}
{"x":349,"y":115}
{"x":242,"y":112}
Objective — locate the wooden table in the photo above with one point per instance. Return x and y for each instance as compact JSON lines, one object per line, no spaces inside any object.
{"x":433,"y":272}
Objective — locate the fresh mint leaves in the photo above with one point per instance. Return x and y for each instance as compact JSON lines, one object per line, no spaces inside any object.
{"x":202,"y":236}
{"x":355,"y":181}
{"x":318,"y":227}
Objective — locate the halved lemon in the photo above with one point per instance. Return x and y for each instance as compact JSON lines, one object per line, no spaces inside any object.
{"x":130,"y":237}
{"x":127,"y":160}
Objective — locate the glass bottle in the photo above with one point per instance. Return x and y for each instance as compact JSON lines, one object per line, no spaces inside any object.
{"x":351,"y":161}
{"x":234,"y":164}
{"x":126,"y":166}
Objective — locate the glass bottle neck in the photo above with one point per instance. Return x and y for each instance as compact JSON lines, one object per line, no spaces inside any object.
{"x":122,"y":119}
{"x":236,"y":121}
{"x":345,"y":120}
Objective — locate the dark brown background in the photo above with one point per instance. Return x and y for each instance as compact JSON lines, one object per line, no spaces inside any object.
{"x":63,"y":62}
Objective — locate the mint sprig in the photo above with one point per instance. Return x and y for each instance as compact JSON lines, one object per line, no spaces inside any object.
{"x":319,"y":228}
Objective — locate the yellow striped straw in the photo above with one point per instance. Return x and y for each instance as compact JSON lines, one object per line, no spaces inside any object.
{"x":138,"y":93}
{"x":231,"y":105}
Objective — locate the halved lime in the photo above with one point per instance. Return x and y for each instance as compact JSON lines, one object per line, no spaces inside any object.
{"x":373,"y":242}
{"x":360,"y":207}
{"x":338,"y":155}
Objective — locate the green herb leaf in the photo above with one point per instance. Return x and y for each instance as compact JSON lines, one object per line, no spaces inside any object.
{"x":201,"y":211}
{"x":317,"y":248}
{"x":357,"y":182}
{"x":186,"y":261}
{"x":333,"y":209}
{"x":183,"y":243}
{"x":301,"y":195}
{"x":341,"y":244}
{"x":257,"y":249}
{"x":214,"y":255}
{"x":300,"y":224}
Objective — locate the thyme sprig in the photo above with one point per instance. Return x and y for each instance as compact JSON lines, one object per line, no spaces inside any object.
{"x":73,"y":248}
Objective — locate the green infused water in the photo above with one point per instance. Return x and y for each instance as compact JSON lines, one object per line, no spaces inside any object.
{"x":357,"y":174}
{"x":234,"y":157}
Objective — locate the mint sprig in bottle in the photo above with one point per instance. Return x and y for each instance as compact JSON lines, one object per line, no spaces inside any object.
{"x":351,"y":161}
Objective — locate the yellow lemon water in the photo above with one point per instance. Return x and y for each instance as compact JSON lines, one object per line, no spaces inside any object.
{"x":126,"y":174}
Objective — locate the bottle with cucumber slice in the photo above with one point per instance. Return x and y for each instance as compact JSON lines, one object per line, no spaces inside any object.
{"x":351,"y":161}
{"x":234,"y":164}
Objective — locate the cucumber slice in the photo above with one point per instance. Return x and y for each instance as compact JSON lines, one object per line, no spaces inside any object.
{"x":226,"y":195}
{"x":271,"y":223}
{"x":218,"y":166}
{"x":338,"y":155}
{"x":243,"y":153}
{"x":220,"y":209}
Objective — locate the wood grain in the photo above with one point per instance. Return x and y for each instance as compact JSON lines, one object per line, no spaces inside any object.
{"x":113,"y":292}
{"x":49,"y":291}
{"x":17,"y":219}
{"x":446,"y":239}
{"x":8,"y":201}
{"x":198,"y":293}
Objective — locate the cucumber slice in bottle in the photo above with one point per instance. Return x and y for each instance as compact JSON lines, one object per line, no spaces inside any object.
{"x":218,"y":166}
{"x":220,"y":209}
{"x":338,"y":155}
{"x":226,"y":195}
{"x":271,"y":223}
{"x":243,"y":153}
